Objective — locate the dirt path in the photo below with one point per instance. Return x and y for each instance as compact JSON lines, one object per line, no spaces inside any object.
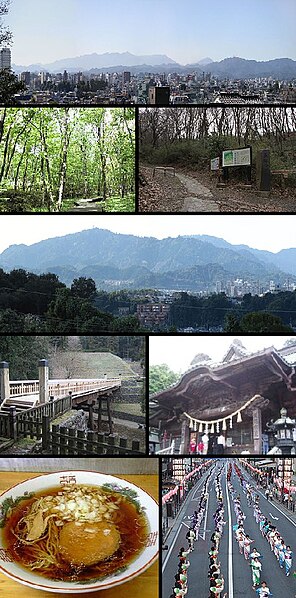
{"x":193,"y":191}
{"x":199,"y":199}
{"x":84,"y":205}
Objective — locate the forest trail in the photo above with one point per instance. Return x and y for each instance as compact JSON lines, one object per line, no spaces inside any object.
{"x":199,"y":199}
{"x":85,"y":205}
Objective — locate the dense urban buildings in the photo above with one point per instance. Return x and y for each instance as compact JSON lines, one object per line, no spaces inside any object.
{"x":142,"y":88}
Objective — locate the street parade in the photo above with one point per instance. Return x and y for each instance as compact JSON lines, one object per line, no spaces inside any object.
{"x":229,"y":539}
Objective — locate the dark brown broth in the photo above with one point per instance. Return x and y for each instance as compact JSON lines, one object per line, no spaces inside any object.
{"x":133,"y":528}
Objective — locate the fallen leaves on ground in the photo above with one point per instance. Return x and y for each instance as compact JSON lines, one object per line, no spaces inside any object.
{"x":159,"y":193}
{"x":166,"y":194}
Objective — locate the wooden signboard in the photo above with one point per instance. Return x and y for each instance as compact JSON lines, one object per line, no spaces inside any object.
{"x":237,"y":157}
{"x":215,"y":163}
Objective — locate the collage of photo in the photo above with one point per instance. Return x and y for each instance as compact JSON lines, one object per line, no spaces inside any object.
{"x":148,"y":298}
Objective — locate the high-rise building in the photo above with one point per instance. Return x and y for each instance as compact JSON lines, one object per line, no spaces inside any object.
{"x":126,"y":77}
{"x":5,"y":59}
{"x":25,"y":77}
{"x":159,"y":95}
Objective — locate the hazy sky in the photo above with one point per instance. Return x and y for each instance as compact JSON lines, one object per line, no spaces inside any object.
{"x":46,"y":30}
{"x":271,"y":232}
{"x":178,"y":351}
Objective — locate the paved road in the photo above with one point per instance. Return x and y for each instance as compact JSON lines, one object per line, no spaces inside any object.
{"x":199,"y":199}
{"x":236,"y":570}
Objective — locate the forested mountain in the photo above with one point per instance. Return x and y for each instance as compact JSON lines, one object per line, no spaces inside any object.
{"x":145,"y":262}
{"x":240,"y":68}
{"x":52,"y":157}
{"x":94,"y":60}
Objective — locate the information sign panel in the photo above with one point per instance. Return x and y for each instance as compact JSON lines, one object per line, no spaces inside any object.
{"x":236,"y":157}
{"x":215,"y":163}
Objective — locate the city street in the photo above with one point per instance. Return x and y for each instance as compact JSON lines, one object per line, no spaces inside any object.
{"x":234,"y":568}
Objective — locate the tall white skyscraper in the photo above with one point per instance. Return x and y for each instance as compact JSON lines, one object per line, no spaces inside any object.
{"x":5,"y":58}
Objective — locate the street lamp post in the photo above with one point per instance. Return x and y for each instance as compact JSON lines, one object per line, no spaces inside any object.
{"x":283,"y":428}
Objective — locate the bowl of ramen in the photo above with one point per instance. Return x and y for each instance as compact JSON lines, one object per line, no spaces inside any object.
{"x":77,"y":532}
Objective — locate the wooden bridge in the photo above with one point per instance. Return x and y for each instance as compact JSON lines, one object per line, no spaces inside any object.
{"x":30,"y":408}
{"x":25,"y":394}
{"x":21,"y":396}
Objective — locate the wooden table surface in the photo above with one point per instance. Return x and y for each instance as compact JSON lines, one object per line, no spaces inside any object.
{"x":143,"y":586}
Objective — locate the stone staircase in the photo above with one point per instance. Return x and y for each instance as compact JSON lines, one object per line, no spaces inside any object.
{"x":21,"y":403}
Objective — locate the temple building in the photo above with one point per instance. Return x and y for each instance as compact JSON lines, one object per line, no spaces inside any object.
{"x":236,"y":400}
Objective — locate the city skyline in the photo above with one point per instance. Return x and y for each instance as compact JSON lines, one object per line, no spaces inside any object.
{"x":270,"y":232}
{"x":186,"y":36}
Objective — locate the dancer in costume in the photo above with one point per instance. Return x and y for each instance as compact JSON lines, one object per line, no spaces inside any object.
{"x":288,"y":560}
{"x":264,"y":591}
{"x":256,"y":567}
{"x":247,"y":547}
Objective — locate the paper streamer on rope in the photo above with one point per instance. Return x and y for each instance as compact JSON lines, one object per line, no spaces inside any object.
{"x":210,"y":425}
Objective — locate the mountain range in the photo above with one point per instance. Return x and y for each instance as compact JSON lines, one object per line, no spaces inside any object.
{"x":119,"y":260}
{"x":97,"y":61}
{"x":238,"y":68}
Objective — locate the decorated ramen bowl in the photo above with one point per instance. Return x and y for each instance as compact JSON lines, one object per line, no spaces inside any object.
{"x":77,"y":532}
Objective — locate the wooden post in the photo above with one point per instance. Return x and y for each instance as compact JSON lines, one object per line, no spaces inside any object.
{"x":99,"y":413}
{"x":12,"y":423}
{"x":100,"y":443}
{"x":109,"y":415}
{"x":71,"y":441}
{"x":90,"y":443}
{"x":4,"y":381}
{"x":46,"y":433}
{"x":91,"y":416}
{"x":111,"y":450}
{"x":55,"y":440}
{"x":80,"y":447}
{"x":63,"y":440}
{"x":43,"y":380}
{"x":122,"y":446}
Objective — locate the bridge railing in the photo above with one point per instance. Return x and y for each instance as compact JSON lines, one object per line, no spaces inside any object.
{"x":24,"y":387}
{"x":61,"y":387}
{"x":28,"y":423}
{"x":4,"y":425}
{"x":64,"y":441}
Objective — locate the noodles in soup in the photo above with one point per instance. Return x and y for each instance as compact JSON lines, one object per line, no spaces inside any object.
{"x":76,"y":532}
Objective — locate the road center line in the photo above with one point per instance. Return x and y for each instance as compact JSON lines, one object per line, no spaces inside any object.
{"x":230,"y":563}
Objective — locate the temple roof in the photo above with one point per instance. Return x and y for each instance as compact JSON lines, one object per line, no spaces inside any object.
{"x":209,"y":389}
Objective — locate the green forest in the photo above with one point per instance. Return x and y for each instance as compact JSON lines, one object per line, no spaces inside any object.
{"x":42,"y":304}
{"x":52,"y":158}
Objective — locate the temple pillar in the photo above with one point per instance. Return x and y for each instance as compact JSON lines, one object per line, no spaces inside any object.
{"x":257,"y":430}
{"x":4,"y":381}
{"x":185,"y":435}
